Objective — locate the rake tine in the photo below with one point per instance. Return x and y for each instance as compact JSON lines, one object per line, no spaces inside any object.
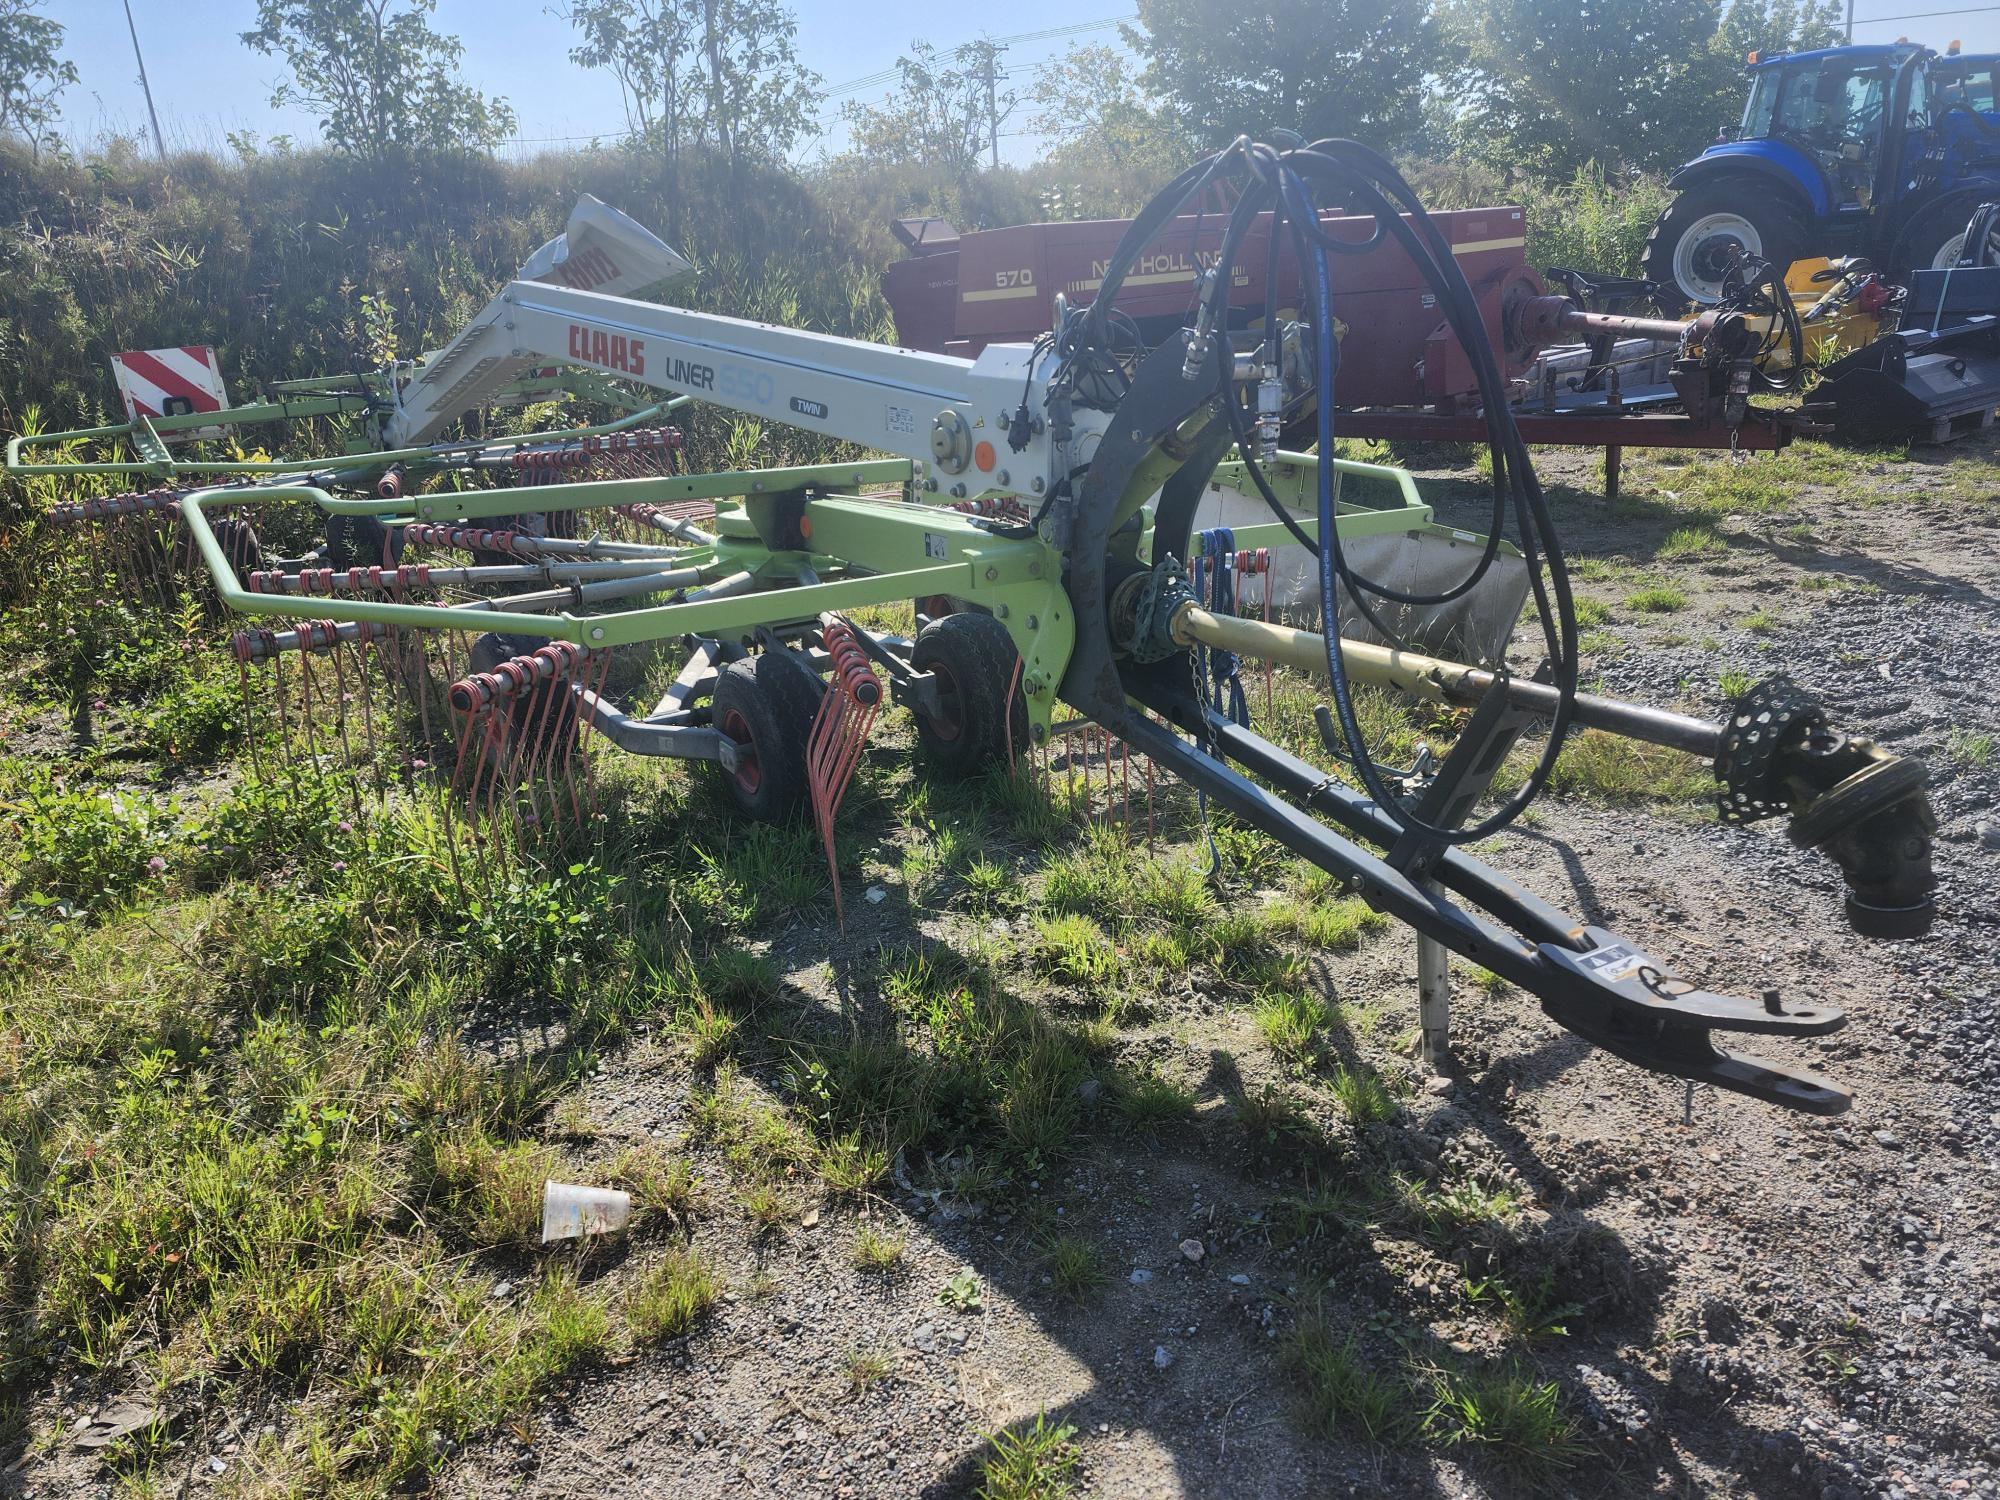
{"x":1149,"y":804}
{"x":500,"y":789}
{"x":1125,"y":759}
{"x":308,"y":730}
{"x":840,"y":730}
{"x":544,"y":716}
{"x":586,"y":730}
{"x":364,"y":677}
{"x":1013,"y":685}
{"x":1069,"y":767}
{"x":562,"y":757}
{"x":271,"y":838}
{"x":472,"y":749}
{"x":340,"y":702}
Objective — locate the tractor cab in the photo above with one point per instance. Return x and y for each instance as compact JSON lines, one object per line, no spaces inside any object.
{"x":1837,"y":109}
{"x":1878,"y":151}
{"x":1966,"y":81}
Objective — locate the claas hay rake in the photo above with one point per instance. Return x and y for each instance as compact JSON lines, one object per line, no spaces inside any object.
{"x":1085,"y":526}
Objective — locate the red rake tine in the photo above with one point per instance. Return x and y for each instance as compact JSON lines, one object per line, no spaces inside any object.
{"x":587,"y":731}
{"x":840,"y":729}
{"x":1013,"y":686}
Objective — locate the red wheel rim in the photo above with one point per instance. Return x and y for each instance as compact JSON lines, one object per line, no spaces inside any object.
{"x":749,"y":773}
{"x":949,"y":721}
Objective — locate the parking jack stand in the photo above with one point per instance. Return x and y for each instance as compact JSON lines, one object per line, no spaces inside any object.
{"x":1434,"y":1001}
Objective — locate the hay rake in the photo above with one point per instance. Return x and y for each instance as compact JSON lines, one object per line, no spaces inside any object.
{"x":1041,"y":507}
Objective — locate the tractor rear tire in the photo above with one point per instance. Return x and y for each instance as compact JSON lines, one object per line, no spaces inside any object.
{"x":1922,"y":247}
{"x":972,"y":657}
{"x":1687,"y":251}
{"x":767,"y":707}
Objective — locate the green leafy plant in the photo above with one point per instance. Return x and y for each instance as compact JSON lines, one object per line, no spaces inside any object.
{"x":961,"y":1293}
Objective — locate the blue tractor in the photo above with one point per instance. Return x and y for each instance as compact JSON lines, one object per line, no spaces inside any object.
{"x":1881,"y":152}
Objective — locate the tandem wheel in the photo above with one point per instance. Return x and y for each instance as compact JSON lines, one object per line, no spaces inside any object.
{"x":973,"y":658}
{"x":535,"y":722}
{"x":766,"y":705}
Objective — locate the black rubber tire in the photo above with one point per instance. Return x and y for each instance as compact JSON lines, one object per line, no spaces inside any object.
{"x":973,"y":657}
{"x":1918,"y":246}
{"x":239,"y":544}
{"x":356,"y":542}
{"x":767,"y":706}
{"x":1778,"y":224}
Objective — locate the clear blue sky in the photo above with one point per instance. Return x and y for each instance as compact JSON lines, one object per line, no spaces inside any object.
{"x":207,"y":83}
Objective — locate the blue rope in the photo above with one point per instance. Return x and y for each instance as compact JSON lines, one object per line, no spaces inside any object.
{"x":1215,"y":585}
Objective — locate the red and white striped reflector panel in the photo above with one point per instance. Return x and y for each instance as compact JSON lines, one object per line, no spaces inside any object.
{"x":170,"y":383}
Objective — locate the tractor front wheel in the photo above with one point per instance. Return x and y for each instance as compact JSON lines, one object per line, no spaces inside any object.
{"x":1709,"y":227}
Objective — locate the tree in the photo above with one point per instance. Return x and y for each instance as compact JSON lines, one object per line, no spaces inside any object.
{"x":945,"y":112}
{"x":31,"y":73}
{"x":1319,"y":67}
{"x":649,"y":46}
{"x":385,"y":84}
{"x":1090,"y":103}
{"x":757,"y":98}
{"x":1558,"y":85}
{"x":1764,"y":26}
{"x":1109,"y":142}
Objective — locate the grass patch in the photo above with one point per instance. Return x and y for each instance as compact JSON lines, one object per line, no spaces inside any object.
{"x":1294,"y":1024}
{"x":1362,"y":1095}
{"x":1601,"y":767}
{"x":1032,"y":1461}
{"x":1482,"y":979}
{"x":1691,"y":541}
{"x":1332,"y":926}
{"x":1076,"y":1267}
{"x":1760,"y":621}
{"x":1148,"y":1099}
{"x":1590,"y":612}
{"x":877,"y":1253}
{"x":1733,"y":684}
{"x":1453,"y":1209}
{"x":671,"y":1296}
{"x":868,"y":1367}
{"x":1340,"y":1395}
{"x":1073,"y":949}
{"x":1971,"y":749}
{"x":1532,"y":1314}
{"x":1506,"y":1411}
{"x":1657,"y":599}
{"x":658,"y":1181}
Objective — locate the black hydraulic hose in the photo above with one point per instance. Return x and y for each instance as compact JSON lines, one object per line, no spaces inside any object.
{"x":1280,"y":179}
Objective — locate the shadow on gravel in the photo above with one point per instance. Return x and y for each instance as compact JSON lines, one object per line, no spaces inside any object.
{"x":1900,"y":576}
{"x":1328,"y":1214}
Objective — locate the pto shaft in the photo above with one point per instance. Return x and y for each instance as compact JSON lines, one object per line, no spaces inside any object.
{"x":1436,"y":680}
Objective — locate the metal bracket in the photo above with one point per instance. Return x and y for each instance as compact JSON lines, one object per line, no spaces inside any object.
{"x":1467,"y":771}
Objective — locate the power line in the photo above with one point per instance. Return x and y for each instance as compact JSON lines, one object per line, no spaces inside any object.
{"x":1921,"y":15}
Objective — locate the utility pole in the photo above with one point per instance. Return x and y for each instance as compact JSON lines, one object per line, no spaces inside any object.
{"x":160,"y":141}
{"x":1850,"y":23}
{"x":993,"y":103}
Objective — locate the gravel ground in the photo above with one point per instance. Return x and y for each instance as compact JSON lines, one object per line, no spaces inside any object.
{"x":1770,"y":1305}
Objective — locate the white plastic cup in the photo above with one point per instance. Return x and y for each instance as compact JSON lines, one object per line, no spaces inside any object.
{"x":570,"y":1211}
